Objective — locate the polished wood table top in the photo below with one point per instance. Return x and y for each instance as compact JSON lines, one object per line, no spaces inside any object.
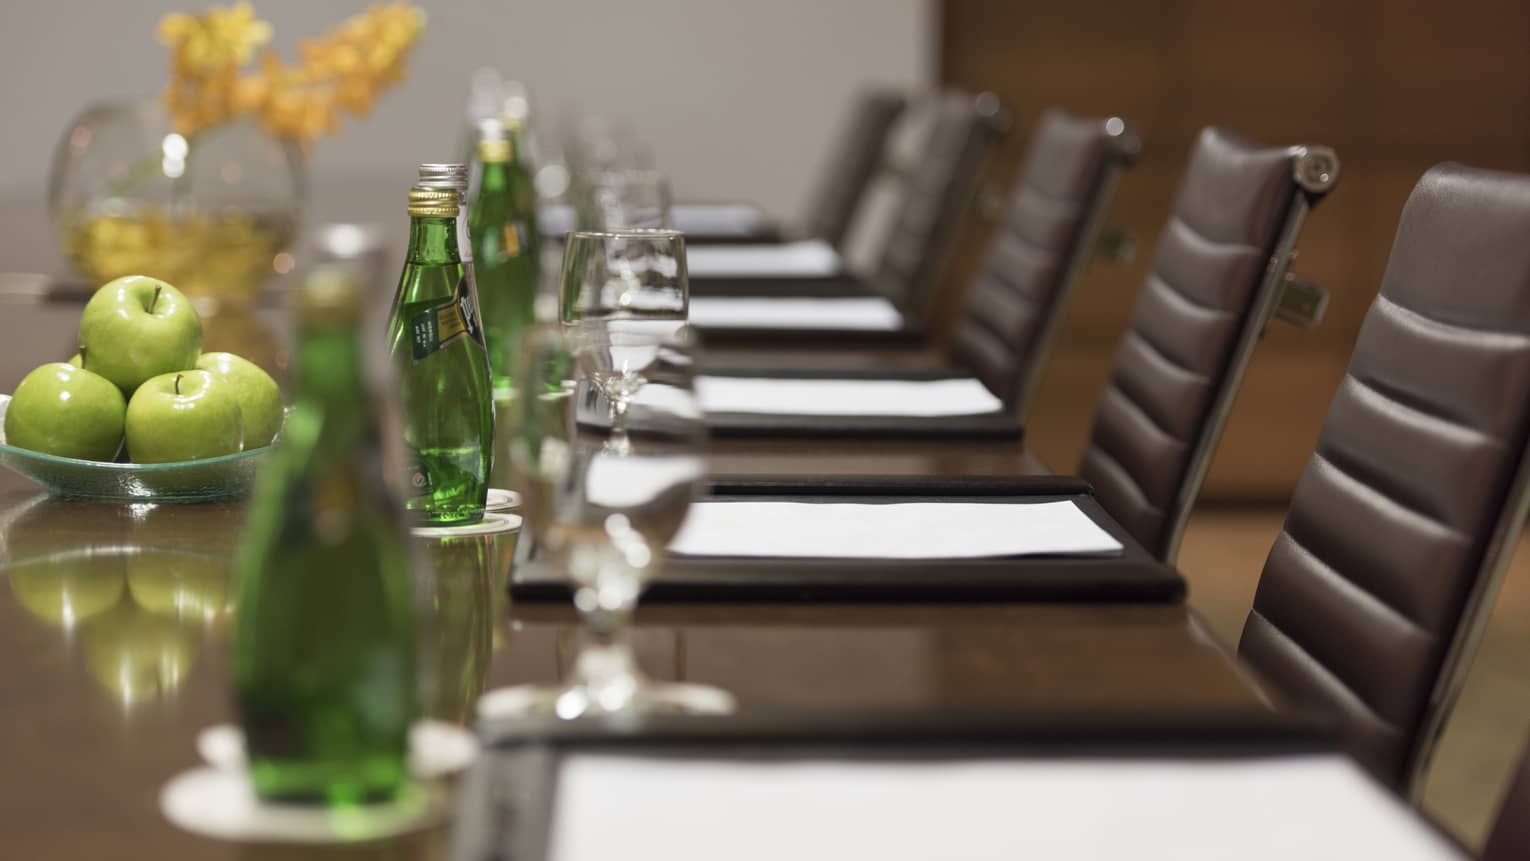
{"x":114,"y":627}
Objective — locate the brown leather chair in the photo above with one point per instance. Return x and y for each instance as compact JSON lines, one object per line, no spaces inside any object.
{"x":937,"y":191}
{"x":1378,"y":586}
{"x":1049,"y":233}
{"x":1217,"y":278}
{"x":1510,"y":838}
{"x":1052,"y":226}
{"x":939,"y":188}
{"x":856,"y":162}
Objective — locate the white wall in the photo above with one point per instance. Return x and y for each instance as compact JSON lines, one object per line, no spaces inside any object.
{"x":739,"y":98}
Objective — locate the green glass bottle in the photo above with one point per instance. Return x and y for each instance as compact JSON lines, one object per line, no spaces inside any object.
{"x":324,"y":653}
{"x":505,"y":247}
{"x":522,"y":156}
{"x":437,"y":344}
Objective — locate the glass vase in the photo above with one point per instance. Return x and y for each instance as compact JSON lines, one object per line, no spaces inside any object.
{"x":213,"y":213}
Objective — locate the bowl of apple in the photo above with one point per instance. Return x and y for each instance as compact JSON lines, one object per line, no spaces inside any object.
{"x":141,"y":414}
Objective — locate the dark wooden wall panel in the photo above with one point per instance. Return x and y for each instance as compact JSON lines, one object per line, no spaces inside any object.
{"x":1394,"y":85}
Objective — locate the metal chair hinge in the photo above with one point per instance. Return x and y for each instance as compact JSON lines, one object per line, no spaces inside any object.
{"x":1115,"y":245}
{"x":990,"y":202}
{"x":1301,"y":303}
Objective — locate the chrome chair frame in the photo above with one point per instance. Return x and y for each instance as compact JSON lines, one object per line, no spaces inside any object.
{"x":1471,"y":626}
{"x":1315,"y":170}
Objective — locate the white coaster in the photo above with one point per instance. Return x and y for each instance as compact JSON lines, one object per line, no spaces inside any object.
{"x":436,"y":748}
{"x":217,"y":800}
{"x":501,"y":500}
{"x":221,"y":804}
{"x":491,"y":524}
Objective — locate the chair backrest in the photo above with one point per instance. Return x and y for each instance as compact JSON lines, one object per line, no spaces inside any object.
{"x":855,"y":163}
{"x":1056,"y":209}
{"x":1376,"y":589}
{"x":1217,"y":275}
{"x":1510,"y":838}
{"x":938,"y":188}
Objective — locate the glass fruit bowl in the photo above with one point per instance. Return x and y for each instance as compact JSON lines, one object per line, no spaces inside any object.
{"x":185,"y":481}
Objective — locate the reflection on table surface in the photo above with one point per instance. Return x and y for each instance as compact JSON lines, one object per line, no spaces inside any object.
{"x":134,"y":588}
{"x":115,"y":618}
{"x":115,"y":621}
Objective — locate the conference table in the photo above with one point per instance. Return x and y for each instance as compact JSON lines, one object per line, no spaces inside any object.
{"x":115,"y":621}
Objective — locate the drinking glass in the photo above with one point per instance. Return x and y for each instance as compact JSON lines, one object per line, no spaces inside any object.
{"x":633,"y":198}
{"x":604,"y":515}
{"x":624,"y":291}
{"x":593,"y":146}
{"x":631,"y":274}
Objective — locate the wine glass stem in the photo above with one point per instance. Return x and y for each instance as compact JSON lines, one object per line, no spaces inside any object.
{"x":605,"y":665}
{"x":620,"y":442}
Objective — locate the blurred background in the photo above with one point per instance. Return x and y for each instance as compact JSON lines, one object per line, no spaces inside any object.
{"x":742,"y":101}
{"x":708,"y":86}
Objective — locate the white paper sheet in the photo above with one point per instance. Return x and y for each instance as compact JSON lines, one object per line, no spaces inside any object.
{"x":836,"y":397}
{"x":900,"y":530}
{"x":719,"y":219}
{"x":617,"y":481}
{"x":870,"y":313}
{"x":1314,"y":807}
{"x":809,"y":258}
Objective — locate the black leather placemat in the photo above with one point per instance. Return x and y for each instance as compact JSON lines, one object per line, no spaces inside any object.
{"x":1131,"y":577}
{"x":911,"y":732}
{"x":507,"y":801}
{"x":764,"y":286}
{"x":765,"y":235}
{"x":919,"y":487}
{"x":911,"y":335}
{"x":1000,"y":425}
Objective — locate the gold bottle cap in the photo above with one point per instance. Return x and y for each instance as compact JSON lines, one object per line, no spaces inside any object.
{"x":494,"y":145}
{"x":433,"y":202}
{"x":494,"y":152}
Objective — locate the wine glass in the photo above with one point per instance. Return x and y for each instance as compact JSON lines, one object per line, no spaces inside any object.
{"x":632,"y":198}
{"x":604,"y":515}
{"x":634,"y":274}
{"x":621,"y":290}
{"x":594,"y":146}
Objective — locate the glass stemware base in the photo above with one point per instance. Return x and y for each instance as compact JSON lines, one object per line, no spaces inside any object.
{"x":606,"y":680}
{"x":576,"y":700}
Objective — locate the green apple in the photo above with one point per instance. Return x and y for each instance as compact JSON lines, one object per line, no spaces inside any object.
{"x":186,"y":415}
{"x":66,"y":411}
{"x":260,"y":400}
{"x":135,"y":328}
{"x":77,"y":360}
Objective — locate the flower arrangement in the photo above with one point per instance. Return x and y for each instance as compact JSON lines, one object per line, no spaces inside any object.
{"x":219,"y":226}
{"x":342,"y":71}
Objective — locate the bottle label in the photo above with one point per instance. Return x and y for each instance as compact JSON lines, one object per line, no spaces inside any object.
{"x":439,"y":325}
{"x":512,"y":241}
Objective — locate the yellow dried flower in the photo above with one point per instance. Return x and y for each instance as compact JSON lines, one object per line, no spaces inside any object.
{"x":342,"y":71}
